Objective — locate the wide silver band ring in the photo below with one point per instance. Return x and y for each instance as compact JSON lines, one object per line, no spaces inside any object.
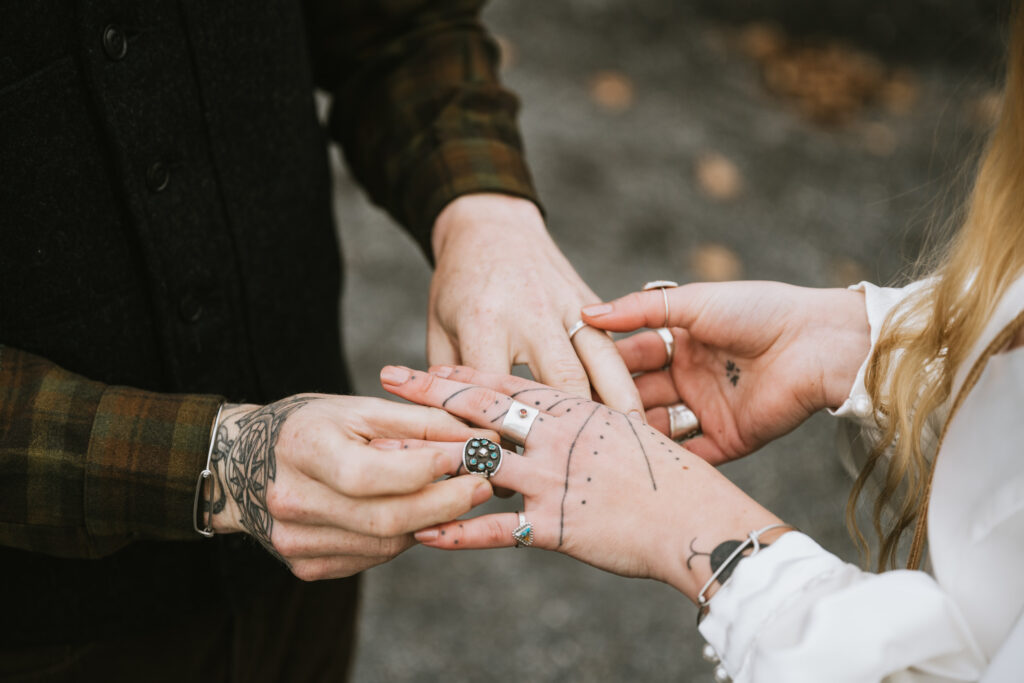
{"x":662,"y":285}
{"x":481,"y":456}
{"x":576,"y":327}
{"x":518,"y":422}
{"x":682,"y":422}
{"x":522,"y":535}
{"x":670,"y":344}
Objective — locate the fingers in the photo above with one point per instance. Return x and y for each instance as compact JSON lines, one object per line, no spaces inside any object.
{"x":299,"y":541}
{"x":644,"y":352}
{"x":488,"y":351}
{"x":647,"y":309}
{"x":390,"y":418}
{"x":359,"y":471}
{"x":320,"y":568}
{"x":440,"y":349}
{"x":477,"y":404}
{"x":554,"y":362}
{"x":657,"y":389}
{"x":487,"y":531}
{"x":513,"y":473}
{"x":384,"y":516}
{"x":608,"y":373}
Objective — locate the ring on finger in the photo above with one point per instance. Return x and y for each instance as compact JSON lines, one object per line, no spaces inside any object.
{"x":576,"y":327}
{"x":522,"y":535}
{"x":670,"y":344}
{"x":682,"y":422}
{"x":518,"y":422}
{"x":481,"y":456}
{"x":662,"y":285}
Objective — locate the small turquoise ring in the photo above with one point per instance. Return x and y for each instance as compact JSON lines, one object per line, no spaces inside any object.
{"x":481,"y":456}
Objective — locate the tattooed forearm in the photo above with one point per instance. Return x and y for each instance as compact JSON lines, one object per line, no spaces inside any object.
{"x":244,"y":464}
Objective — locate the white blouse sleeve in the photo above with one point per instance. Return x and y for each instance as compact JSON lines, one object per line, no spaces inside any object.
{"x":794,"y":612}
{"x":878,"y":302}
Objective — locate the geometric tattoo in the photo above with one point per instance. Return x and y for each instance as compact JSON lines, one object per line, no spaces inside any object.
{"x":250,"y":464}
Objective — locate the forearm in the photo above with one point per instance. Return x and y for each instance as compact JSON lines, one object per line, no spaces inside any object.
{"x":88,"y":467}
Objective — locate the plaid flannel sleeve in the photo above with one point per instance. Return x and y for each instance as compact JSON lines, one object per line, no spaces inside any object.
{"x":86,"y":467}
{"x":417,"y":104}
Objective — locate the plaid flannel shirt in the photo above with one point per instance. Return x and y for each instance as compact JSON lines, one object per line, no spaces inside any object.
{"x":86,"y":468}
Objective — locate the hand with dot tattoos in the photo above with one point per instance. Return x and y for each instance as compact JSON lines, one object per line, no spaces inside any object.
{"x":597,"y":485}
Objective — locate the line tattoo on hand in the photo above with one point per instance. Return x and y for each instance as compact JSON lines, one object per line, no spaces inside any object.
{"x":245,"y":464}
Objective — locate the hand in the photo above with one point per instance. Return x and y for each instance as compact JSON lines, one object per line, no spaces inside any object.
{"x":300,"y":477}
{"x":752,"y":359}
{"x":597,"y":485}
{"x":503,"y":293}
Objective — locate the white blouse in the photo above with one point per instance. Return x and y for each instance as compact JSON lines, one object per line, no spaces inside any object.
{"x":795,"y":612}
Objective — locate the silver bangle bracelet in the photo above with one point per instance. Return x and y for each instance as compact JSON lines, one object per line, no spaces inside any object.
{"x":207,"y":529}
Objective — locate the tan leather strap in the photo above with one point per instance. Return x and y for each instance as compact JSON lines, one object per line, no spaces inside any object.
{"x":1000,"y":342}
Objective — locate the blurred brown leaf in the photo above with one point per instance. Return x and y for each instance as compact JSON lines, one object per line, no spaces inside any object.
{"x":612,"y":90}
{"x":715,"y":263}
{"x":828,"y":81}
{"x":718,"y":177}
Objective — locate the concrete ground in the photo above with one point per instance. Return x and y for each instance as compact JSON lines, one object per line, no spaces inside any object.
{"x":661,"y":153}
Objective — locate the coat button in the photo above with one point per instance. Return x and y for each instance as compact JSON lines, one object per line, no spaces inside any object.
{"x":115,"y":43}
{"x":190,"y":309}
{"x":158,"y":176}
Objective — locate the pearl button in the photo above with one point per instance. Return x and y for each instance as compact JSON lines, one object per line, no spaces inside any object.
{"x":721,"y":675}
{"x":709,"y":654}
{"x":862,"y":406}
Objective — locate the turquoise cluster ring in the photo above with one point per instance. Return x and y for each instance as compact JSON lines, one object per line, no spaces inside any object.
{"x":481,"y":456}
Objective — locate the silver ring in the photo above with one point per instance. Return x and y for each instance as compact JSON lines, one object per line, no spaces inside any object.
{"x":522,"y":535}
{"x":682,"y":422}
{"x":662,"y":285}
{"x":576,"y":327}
{"x":670,"y":344}
{"x":517,"y":423}
{"x":481,"y":456}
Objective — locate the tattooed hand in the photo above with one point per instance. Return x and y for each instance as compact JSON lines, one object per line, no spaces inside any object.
{"x":752,"y":359}
{"x":597,"y":485}
{"x":299,"y":476}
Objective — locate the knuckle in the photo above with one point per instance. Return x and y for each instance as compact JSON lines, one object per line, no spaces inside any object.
{"x":566,"y":370}
{"x":390,"y":546}
{"x":354,"y":478}
{"x":283,"y":503}
{"x":383,"y":522}
{"x":493,"y":531}
{"x":287,"y":544}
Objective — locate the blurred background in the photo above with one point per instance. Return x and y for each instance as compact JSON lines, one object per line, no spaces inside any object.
{"x":805,"y":141}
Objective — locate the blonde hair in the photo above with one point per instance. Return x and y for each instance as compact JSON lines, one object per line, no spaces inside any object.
{"x":925,"y":340}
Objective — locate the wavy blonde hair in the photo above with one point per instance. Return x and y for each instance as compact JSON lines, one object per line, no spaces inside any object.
{"x":926,"y":339}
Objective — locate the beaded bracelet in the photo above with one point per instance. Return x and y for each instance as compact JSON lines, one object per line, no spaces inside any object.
{"x":207,"y":529}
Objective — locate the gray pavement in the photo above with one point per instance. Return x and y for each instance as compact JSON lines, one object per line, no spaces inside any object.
{"x":817,"y":206}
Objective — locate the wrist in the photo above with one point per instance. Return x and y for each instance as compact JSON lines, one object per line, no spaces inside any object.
{"x":479,"y":216}
{"x":850,"y":345}
{"x":223,"y":510}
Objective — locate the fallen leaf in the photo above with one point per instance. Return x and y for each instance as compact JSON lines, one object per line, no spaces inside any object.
{"x":718,"y":177}
{"x":715,"y":263}
{"x":612,"y":90}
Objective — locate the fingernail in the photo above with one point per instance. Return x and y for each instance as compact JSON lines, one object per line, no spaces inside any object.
{"x":595,"y":310}
{"x":442,"y":371}
{"x":481,"y":493}
{"x":394,"y":375}
{"x":426,"y":535}
{"x":637,"y":416}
